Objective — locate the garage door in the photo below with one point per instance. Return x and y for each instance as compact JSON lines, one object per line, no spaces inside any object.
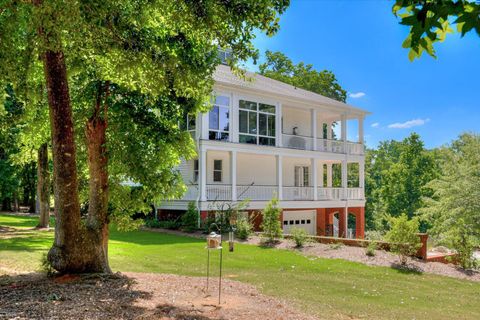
{"x":305,"y":220}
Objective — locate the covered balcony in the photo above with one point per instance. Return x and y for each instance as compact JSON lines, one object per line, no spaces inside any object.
{"x":236,"y":176}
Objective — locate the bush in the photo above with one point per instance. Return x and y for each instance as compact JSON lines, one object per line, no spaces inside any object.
{"x":244,"y":228}
{"x":403,"y":237}
{"x":374,"y":235}
{"x":189,"y":220}
{"x":299,"y":236}
{"x":271,"y":226}
{"x":336,"y":245}
{"x":464,"y":244}
{"x":370,"y":249}
{"x":164,"y":224}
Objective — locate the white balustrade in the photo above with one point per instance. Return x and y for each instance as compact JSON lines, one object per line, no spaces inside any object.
{"x":297,"y":193}
{"x":325,"y":145}
{"x":355,"y":194}
{"x":355,"y":148}
{"x":297,"y":142}
{"x":219,"y":192}
{"x":191,"y":193}
{"x":254,"y":192}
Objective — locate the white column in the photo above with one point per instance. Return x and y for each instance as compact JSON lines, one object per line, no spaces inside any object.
{"x":361,"y":130}
{"x":202,"y":178}
{"x":279,"y":159}
{"x":204,"y":126}
{"x":320,"y":174}
{"x":361,"y":176}
{"x":313,"y":114}
{"x":344,"y":178}
{"x":234,"y":119}
{"x":233,"y":173}
{"x":344,"y":132}
{"x":329,"y":136}
{"x":329,"y":175}
{"x":314,"y":178}
{"x":278,"y":126}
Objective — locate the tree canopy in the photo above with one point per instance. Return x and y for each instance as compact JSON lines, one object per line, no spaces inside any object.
{"x":430,"y":21}
{"x":279,"y":67}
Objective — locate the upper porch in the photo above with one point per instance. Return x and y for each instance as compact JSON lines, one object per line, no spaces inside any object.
{"x":241,"y":118}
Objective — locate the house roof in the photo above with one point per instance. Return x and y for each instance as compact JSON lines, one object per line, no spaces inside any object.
{"x":224,"y":75}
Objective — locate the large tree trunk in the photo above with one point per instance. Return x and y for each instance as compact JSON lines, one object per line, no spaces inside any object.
{"x":43,"y":187}
{"x":77,"y":247}
{"x":97,"y":220}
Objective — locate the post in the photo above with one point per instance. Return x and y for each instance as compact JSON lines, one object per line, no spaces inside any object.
{"x":344,"y":132}
{"x":278,"y":126}
{"x":280,"y":176}
{"x":234,"y":118}
{"x":320,"y":171}
{"x":344,"y":178}
{"x":361,"y":177}
{"x":329,"y":136}
{"x":202,"y":178}
{"x":314,"y":178}
{"x":360,"y":130}
{"x":329,"y":175}
{"x":204,"y":126}
{"x":233,"y":173}
{"x":313,"y":113}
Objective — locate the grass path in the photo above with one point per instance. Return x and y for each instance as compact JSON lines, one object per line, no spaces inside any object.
{"x":329,"y":288}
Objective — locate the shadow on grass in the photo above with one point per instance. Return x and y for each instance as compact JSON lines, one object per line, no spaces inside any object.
{"x":151,"y":238}
{"x":407,"y":268}
{"x":34,"y":296}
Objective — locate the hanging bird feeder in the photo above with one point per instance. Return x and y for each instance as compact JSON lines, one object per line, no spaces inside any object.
{"x":214,"y":242}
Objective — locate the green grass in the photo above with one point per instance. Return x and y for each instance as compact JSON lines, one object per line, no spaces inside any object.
{"x":330,"y":288}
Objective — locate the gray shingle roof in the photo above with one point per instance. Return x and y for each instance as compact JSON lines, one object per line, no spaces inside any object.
{"x":223,"y":75}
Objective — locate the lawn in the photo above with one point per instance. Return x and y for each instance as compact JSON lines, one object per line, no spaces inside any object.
{"x":329,"y":288}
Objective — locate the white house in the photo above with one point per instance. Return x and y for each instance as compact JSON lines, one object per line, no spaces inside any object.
{"x":264,"y":138}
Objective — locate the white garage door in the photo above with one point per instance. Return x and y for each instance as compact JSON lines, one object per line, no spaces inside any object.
{"x":305,"y":220}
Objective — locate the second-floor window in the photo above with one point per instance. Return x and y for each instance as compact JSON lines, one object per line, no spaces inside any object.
{"x":195,"y":170}
{"x":302,"y":176}
{"x":219,"y":119}
{"x":217,"y":170}
{"x":256,"y":123}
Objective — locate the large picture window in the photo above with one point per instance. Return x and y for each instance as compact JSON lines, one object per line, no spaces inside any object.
{"x":256,"y":123}
{"x":219,"y":119}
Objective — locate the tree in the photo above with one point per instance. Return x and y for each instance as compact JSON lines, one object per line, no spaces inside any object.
{"x":145,"y":51}
{"x":454,"y":207}
{"x":403,"y":237}
{"x":431,"y":20}
{"x":271,"y":227}
{"x":43,"y":186}
{"x":279,"y":67}
{"x":397,"y":174}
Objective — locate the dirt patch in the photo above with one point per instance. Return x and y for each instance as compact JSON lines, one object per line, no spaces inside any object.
{"x":135,"y":296}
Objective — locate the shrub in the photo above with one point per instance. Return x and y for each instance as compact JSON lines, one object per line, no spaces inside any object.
{"x":403,"y":237}
{"x":189,"y":219}
{"x":244,"y":228}
{"x":271,"y":226}
{"x":374,"y":235}
{"x":164,"y":224}
{"x":47,"y":266}
{"x":464,"y":244}
{"x":299,"y":236}
{"x":370,"y":249}
{"x":336,"y":245}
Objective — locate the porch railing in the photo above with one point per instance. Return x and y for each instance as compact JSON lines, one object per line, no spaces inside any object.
{"x":297,"y":142}
{"x":219,"y":192}
{"x":254,"y":192}
{"x":355,"y":148}
{"x":355,"y":194}
{"x":297,"y":193}
{"x":330,"y":193}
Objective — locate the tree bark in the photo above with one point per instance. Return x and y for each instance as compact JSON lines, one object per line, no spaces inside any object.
{"x":43,"y":187}
{"x":95,"y":132}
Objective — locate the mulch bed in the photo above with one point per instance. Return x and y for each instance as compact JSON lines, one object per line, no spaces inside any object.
{"x":135,"y":296}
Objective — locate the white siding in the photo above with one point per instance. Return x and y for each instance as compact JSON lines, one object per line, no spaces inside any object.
{"x":259,"y":169}
{"x":218,"y":155}
{"x":293,"y":117}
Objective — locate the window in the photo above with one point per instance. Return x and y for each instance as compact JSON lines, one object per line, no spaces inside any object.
{"x":217,"y":170}
{"x":195,"y":170}
{"x":189,"y":124}
{"x":219,"y":119}
{"x":302,"y":176}
{"x":256,"y":123}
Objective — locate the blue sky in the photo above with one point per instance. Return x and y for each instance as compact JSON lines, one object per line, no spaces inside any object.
{"x":360,"y":41}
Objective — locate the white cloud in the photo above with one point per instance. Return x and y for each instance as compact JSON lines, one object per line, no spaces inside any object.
{"x":356,"y":95}
{"x":408,"y":124}
{"x":375,"y":125}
